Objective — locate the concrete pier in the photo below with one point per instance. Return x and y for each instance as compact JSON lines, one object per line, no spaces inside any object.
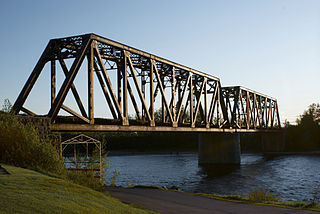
{"x":219,"y":148}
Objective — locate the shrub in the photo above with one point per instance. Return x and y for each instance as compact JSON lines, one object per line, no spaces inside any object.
{"x":262,"y":195}
{"x":20,"y":146}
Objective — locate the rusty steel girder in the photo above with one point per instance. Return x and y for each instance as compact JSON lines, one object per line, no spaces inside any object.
{"x":162,"y":93}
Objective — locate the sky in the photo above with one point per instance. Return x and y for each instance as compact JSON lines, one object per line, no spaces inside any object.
{"x":270,"y":46}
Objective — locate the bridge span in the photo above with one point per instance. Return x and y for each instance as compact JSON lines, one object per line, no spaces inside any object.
{"x":143,"y":92}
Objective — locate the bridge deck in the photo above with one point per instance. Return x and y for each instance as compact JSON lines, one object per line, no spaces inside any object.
{"x":136,"y":128}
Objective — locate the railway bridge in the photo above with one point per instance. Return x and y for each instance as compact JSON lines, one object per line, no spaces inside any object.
{"x":144,"y":92}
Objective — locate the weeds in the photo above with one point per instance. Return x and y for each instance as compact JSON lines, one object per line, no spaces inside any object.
{"x":262,"y":195}
{"x":133,"y":184}
{"x":114,"y":177}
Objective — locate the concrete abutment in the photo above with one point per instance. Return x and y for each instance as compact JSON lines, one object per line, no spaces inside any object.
{"x":224,"y":148}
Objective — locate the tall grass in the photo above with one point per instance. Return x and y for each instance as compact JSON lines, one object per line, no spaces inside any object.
{"x":262,"y":195}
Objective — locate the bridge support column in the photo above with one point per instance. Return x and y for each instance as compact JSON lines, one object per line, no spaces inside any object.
{"x":273,"y":141}
{"x":219,"y":148}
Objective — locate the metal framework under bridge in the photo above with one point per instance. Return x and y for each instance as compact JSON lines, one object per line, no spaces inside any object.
{"x":143,"y":92}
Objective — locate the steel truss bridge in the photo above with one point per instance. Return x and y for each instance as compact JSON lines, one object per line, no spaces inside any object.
{"x":163,"y":95}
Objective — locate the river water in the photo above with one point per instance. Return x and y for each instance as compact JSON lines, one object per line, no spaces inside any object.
{"x":293,"y":178}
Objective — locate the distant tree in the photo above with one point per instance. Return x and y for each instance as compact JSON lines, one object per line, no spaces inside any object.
{"x":286,"y":123}
{"x":305,"y":136}
{"x":6,"y":106}
{"x":310,"y":117}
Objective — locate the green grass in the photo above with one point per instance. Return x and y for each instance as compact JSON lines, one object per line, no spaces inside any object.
{"x":243,"y":199}
{"x":27,"y":191}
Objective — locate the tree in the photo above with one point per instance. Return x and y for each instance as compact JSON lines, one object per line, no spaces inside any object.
{"x":7,"y":106}
{"x":310,"y":117}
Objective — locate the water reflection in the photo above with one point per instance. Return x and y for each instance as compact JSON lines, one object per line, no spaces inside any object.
{"x":290,"y":177}
{"x":217,"y":170}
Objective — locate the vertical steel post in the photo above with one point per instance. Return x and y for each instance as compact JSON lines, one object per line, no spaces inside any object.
{"x":143,"y":90}
{"x":278,"y":116}
{"x":205,"y":104}
{"x":162,"y":102}
{"x":173,"y":91}
{"x":53,"y":81}
{"x":191,"y":102}
{"x":152,"y":123}
{"x":119,"y":77}
{"x":90,"y":83}
{"x":125,"y":88}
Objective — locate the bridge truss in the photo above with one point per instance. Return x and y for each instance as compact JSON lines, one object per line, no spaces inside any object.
{"x":165,"y":96}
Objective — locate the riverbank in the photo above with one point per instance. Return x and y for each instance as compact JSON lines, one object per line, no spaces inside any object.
{"x":175,"y":202}
{"x":27,"y":191}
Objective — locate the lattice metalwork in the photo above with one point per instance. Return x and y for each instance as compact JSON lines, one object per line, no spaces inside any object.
{"x":247,"y":109}
{"x":163,"y":93}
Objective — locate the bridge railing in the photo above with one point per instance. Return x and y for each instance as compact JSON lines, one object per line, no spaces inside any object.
{"x":143,"y":89}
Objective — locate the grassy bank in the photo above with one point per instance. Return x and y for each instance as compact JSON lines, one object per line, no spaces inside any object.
{"x":243,"y":199}
{"x":27,"y":191}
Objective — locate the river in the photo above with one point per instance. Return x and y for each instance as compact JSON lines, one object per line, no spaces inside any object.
{"x":293,"y":178}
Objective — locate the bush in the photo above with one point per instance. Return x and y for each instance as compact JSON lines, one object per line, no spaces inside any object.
{"x":262,"y":195}
{"x":20,"y":146}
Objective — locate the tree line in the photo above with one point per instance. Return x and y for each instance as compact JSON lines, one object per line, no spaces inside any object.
{"x":305,"y":134}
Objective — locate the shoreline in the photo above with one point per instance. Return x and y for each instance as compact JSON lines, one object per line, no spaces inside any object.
{"x":291,"y":153}
{"x":132,"y":153}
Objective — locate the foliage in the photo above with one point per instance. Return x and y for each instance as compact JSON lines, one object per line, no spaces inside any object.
{"x":114,"y":177}
{"x":20,"y":145}
{"x":311,"y":116}
{"x":305,"y":136}
{"x":27,"y":191}
{"x":262,"y":195}
{"x":131,"y":184}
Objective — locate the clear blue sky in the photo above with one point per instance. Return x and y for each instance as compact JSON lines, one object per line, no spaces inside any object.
{"x":271,"y":46}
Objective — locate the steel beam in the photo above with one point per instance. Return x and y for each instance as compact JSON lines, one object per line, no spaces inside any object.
{"x":32,"y":79}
